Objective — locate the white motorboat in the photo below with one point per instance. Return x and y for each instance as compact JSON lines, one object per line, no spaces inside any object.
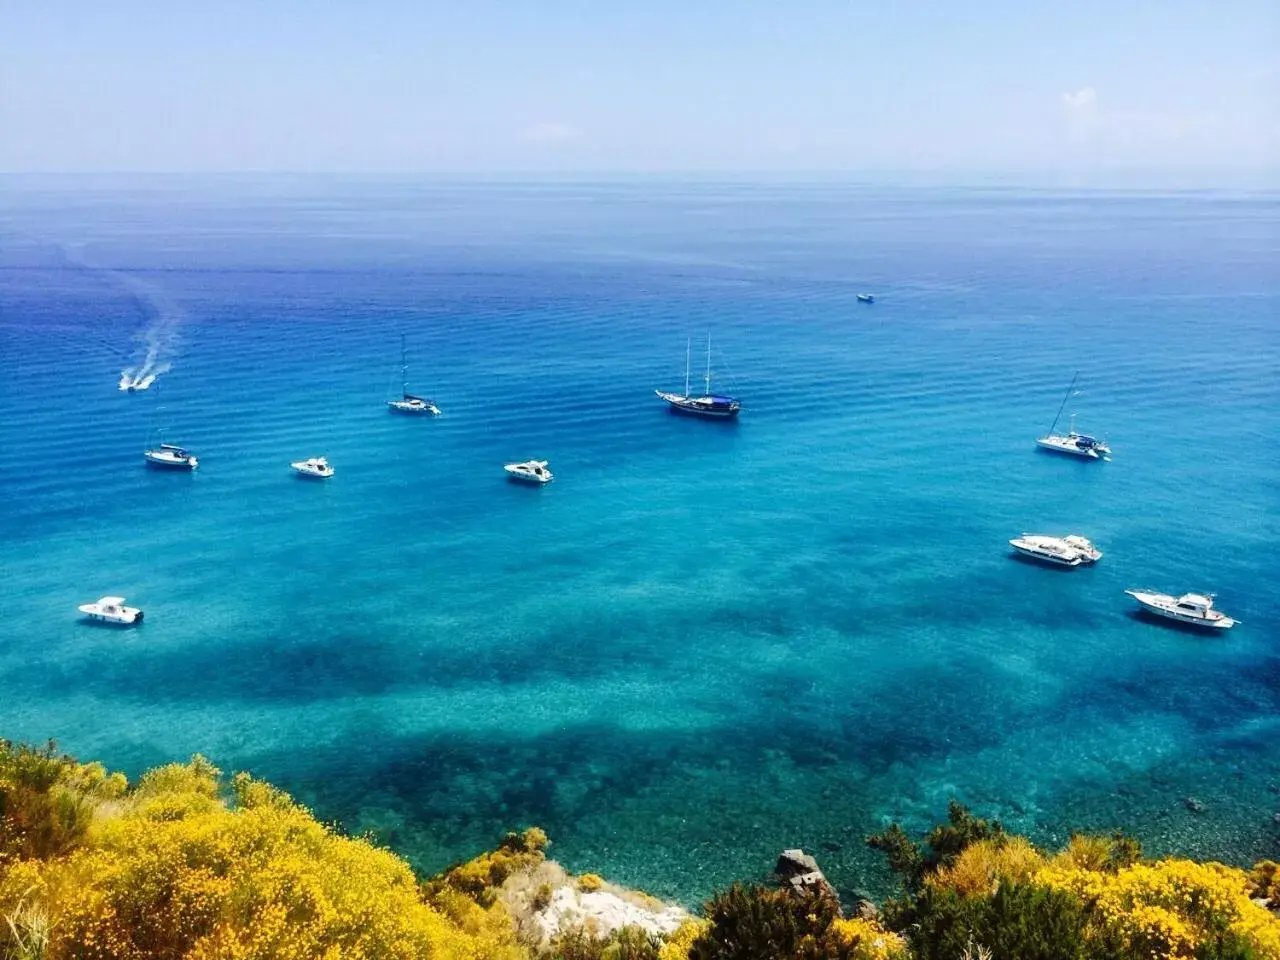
{"x":408,"y":402}
{"x":111,"y":610}
{"x":317,"y":467}
{"x":1195,"y":609}
{"x":713,"y":406}
{"x":1069,"y":551}
{"x":1072,"y":443}
{"x":171,"y":457}
{"x":531,"y":471}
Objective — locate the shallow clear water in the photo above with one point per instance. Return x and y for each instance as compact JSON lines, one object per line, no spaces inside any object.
{"x":704,"y":642}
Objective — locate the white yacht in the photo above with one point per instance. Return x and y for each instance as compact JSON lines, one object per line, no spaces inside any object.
{"x":1195,"y":609}
{"x":408,"y":402}
{"x":317,"y":467}
{"x":531,"y":471}
{"x":171,"y":457}
{"x":1069,"y":551}
{"x":112,"y":610}
{"x":1072,"y":443}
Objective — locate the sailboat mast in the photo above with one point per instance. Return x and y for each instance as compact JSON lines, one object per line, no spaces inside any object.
{"x":404,"y":368}
{"x":688,"y":346}
{"x":1062,"y":406}
{"x":707,"y":378}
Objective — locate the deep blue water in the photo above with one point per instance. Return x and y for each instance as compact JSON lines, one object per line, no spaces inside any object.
{"x":703,"y":642}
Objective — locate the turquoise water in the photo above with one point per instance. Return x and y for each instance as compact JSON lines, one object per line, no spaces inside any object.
{"x":704,"y":642}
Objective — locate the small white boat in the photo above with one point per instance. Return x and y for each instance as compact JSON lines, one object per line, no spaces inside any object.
{"x":408,"y":402}
{"x":866,"y":298}
{"x":112,"y":610}
{"x":171,"y":457}
{"x":317,"y":467}
{"x":1072,"y":443}
{"x":531,"y":471}
{"x":1195,"y":609}
{"x":1069,"y":551}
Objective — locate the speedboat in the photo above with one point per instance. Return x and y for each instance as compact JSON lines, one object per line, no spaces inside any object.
{"x":866,"y":298}
{"x":531,"y":471}
{"x":1195,"y":609}
{"x":708,"y":404}
{"x":317,"y":467}
{"x":112,"y":610}
{"x":1069,"y":551}
{"x":171,"y":457}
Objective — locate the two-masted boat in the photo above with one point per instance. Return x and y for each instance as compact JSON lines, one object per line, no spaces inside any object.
{"x":707,"y":404}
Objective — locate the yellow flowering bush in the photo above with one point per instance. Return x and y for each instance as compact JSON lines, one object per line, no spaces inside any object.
{"x":869,"y":940}
{"x":982,"y":865}
{"x":1169,"y":908}
{"x":678,"y":944}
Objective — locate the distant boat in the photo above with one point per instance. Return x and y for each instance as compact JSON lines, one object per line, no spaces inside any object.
{"x":408,"y":402}
{"x":1072,"y":443}
{"x":1069,"y":551}
{"x":171,"y":457}
{"x":112,"y":610}
{"x":531,"y":471}
{"x":1195,"y":609}
{"x":866,"y":298}
{"x":317,"y":467}
{"x":168,"y":456}
{"x":709,"y":404}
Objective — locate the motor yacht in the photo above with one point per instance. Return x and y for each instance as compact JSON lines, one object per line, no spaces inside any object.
{"x":531,"y":471}
{"x":111,"y":610}
{"x":1195,"y":609}
{"x":171,"y":457}
{"x":1069,"y":551}
{"x":866,"y":298}
{"x":317,"y":467}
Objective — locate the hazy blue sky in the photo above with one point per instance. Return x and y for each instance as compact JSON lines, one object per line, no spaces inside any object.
{"x":1074,"y":91}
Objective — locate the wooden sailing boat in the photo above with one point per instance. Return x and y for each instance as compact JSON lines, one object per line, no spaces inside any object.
{"x":708,"y":404}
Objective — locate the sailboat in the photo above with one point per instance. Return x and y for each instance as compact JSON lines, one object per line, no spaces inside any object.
{"x":707,"y":405}
{"x":168,"y":456}
{"x":408,"y":402}
{"x":1075,"y":444}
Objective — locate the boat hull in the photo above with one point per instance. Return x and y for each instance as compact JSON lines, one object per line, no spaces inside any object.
{"x":1047,"y":558}
{"x":693,"y":408}
{"x":1069,"y":449}
{"x":114,"y":619}
{"x":413,"y":409}
{"x":162,"y":463}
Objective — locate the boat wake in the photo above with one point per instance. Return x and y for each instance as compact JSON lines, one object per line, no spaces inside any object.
{"x":158,"y":341}
{"x":156,"y":344}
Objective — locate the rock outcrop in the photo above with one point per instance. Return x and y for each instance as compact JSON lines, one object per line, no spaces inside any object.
{"x":797,"y":872}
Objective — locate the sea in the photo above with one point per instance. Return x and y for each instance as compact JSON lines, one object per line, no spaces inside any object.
{"x":704,"y":642}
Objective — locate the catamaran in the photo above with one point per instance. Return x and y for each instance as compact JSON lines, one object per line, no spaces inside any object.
{"x":707,"y":405}
{"x":408,"y":402}
{"x":1072,"y":443}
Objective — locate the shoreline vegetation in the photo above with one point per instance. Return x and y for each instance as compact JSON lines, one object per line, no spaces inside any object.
{"x":186,"y":863}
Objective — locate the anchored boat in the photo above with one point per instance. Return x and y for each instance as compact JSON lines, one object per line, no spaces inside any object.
{"x":1072,"y":443}
{"x":1195,"y":609}
{"x":708,"y":404}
